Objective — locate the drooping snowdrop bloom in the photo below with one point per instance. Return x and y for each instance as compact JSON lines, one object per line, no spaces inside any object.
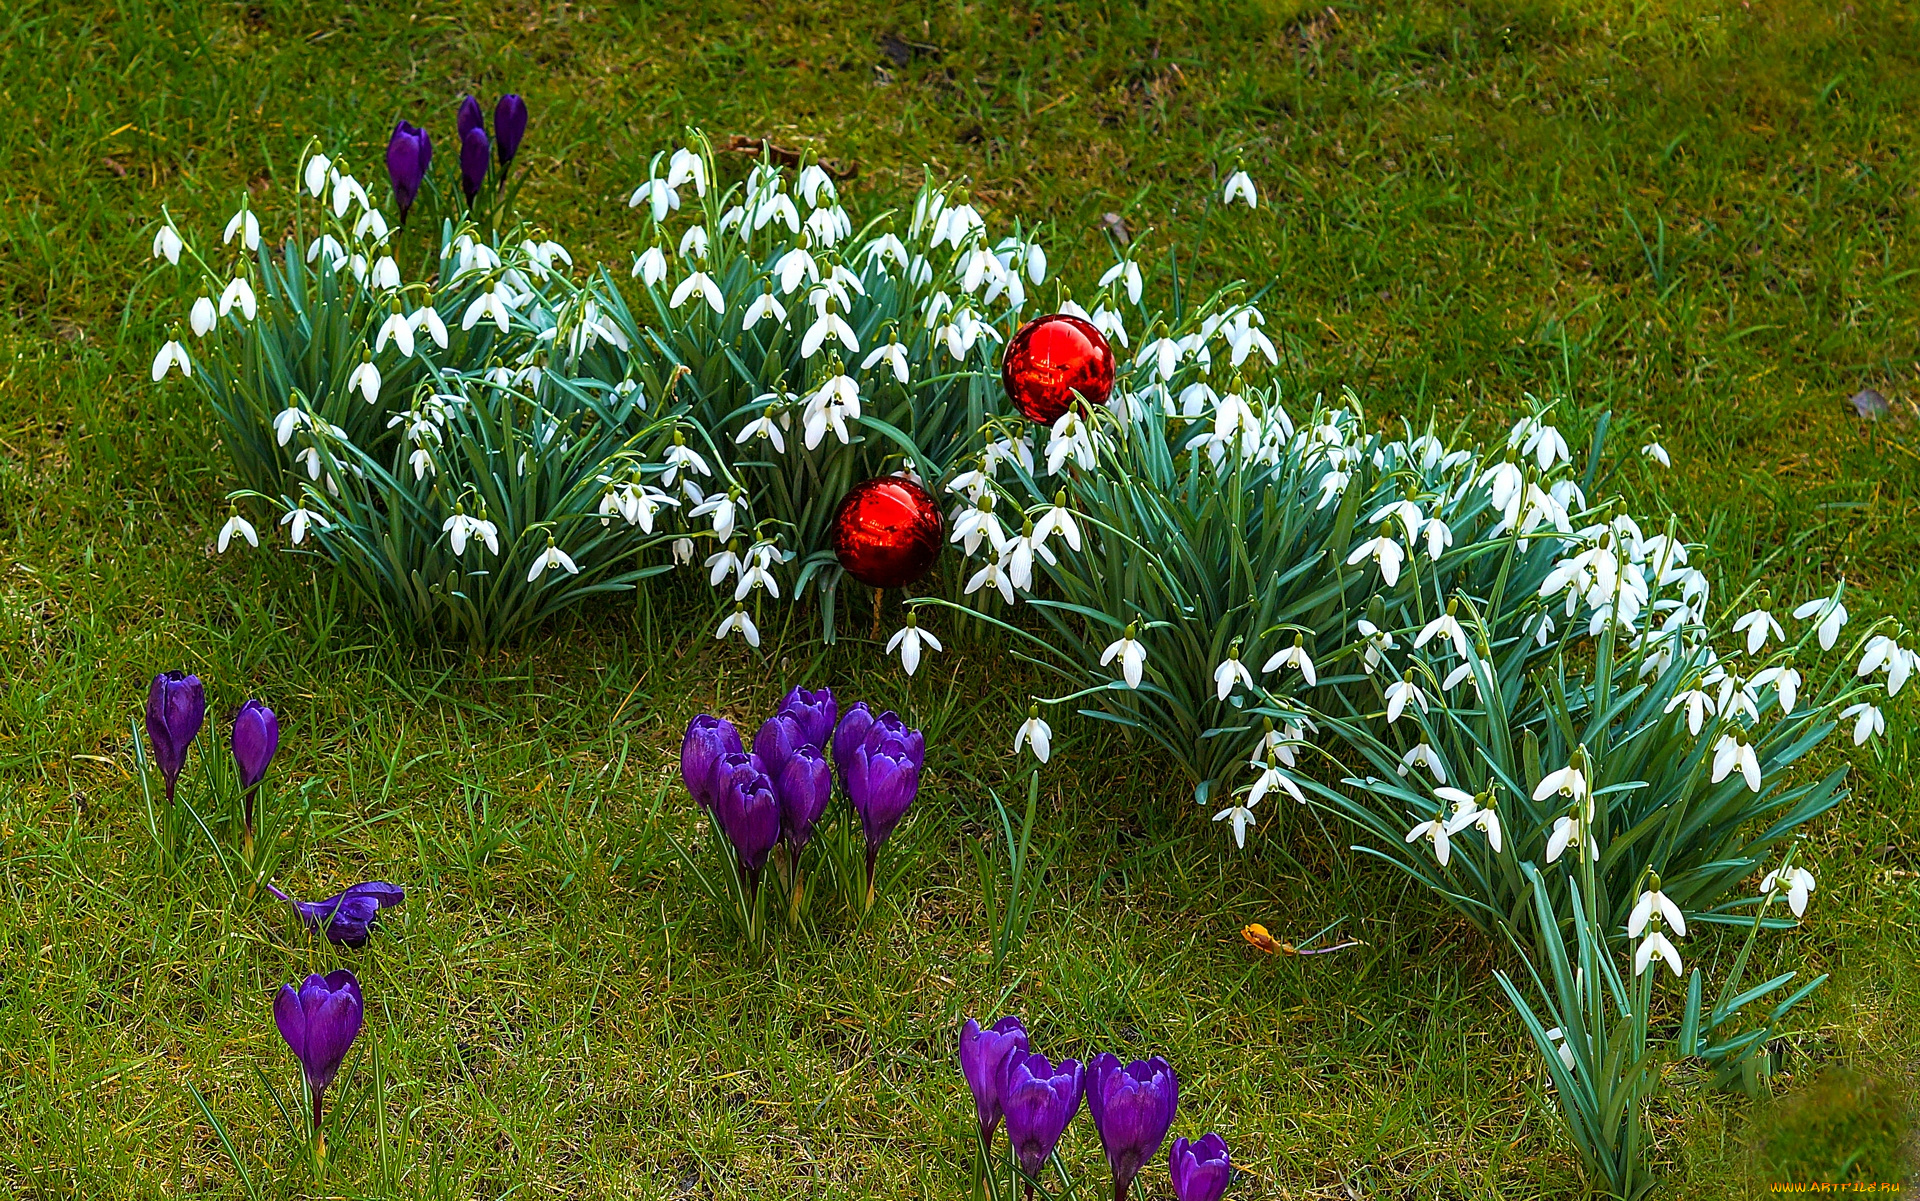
{"x":1731,"y":754}
{"x":1559,"y":1041}
{"x":911,"y":639}
{"x":201,"y":317}
{"x":973,"y":524}
{"x":701,"y":285}
{"x":460,"y":528}
{"x":167,"y":244}
{"x":1568,"y":830}
{"x":722,"y":564}
{"x":1658,"y":453}
{"x":758,"y":575}
{"x":687,"y":167}
{"x":1656,"y":943}
{"x":1271,"y":778}
{"x":1867,"y":721}
{"x":1463,"y":674}
{"x":1240,"y":187}
{"x":1164,"y":353}
{"x":1241,"y":815}
{"x":835,"y":403}
{"x":1132,"y":655}
{"x":1434,"y":830}
{"x":493,"y":303}
{"x":738,"y":621}
{"x":893,"y":354}
{"x":385,"y":275}
{"x":347,"y":190}
{"x":724,"y":508}
{"x":1034,"y":733}
{"x":1423,"y":755}
{"x":828,"y":324}
{"x":1401,"y":694}
{"x":1071,"y":439}
{"x":1798,"y":882}
{"x":366,"y":378}
{"x":245,"y":226}
{"x":1786,"y":685}
{"x":660,"y":198}
{"x":767,"y":305}
{"x":693,"y":243}
{"x":1406,"y":511}
{"x":550,"y":559}
{"x":1444,"y":626}
{"x":681,"y":457}
{"x":1231,"y":673}
{"x":1468,"y":811}
{"x":767,"y":426}
{"x":1439,"y":536}
{"x":300,"y":519}
{"x":428,"y":318}
{"x":1569,"y":781}
{"x":650,"y":267}
{"x":1385,"y":553}
{"x":1126,"y":272}
{"x":238,"y":294}
{"x":1698,"y":703}
{"x":993,"y":575}
{"x":1653,"y":902}
{"x":1294,"y":656}
{"x":1884,"y":654}
{"x":172,"y":355}
{"x":1058,"y":519}
{"x":398,"y":330}
{"x":1830,"y":615}
{"x":1244,"y":337}
{"x":1757,"y":625}
{"x":236,"y":524}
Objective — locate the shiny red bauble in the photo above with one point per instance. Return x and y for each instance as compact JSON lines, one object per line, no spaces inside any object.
{"x":887,"y":532}
{"x":1052,"y":358}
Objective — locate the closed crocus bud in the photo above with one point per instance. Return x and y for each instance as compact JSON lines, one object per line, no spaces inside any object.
{"x":983,"y":1061}
{"x":775,"y":742}
{"x":320,"y":1019}
{"x":176,"y":708}
{"x":345,"y":918}
{"x":816,"y":713}
{"x":256,"y":736}
{"x":468,"y":119}
{"x":803,"y":787}
{"x":850,"y":732}
{"x":882,"y":781}
{"x":708,"y":740}
{"x":409,"y":155}
{"x":1038,"y":1099}
{"x":1132,"y":1108}
{"x":509,"y":125}
{"x":748,"y":813}
{"x":889,"y":726}
{"x":1200,"y":1170}
{"x":473,"y":162}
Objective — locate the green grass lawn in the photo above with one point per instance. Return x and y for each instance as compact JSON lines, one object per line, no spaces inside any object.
{"x":1697,"y":215}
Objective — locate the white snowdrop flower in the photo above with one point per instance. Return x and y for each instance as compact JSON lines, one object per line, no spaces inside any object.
{"x":778,"y":207}
{"x":238,"y":294}
{"x":460,"y":528}
{"x":1269,"y":779}
{"x":794,"y":267}
{"x":1242,"y":816}
{"x":1798,"y":882}
{"x":651,"y":266}
{"x":421,"y":460}
{"x":551,"y":559}
{"x":1021,"y":553}
{"x":1057,"y":519}
{"x":660,"y":198}
{"x":1386,"y":555}
{"x":763,"y":426}
{"x":167,"y":244}
{"x":1867,"y":721}
{"x":723,"y":507}
{"x":365,"y":377}
{"x":1132,"y":656}
{"x":1071,"y":439}
{"x":1757,"y":625}
{"x":767,"y":305}
{"x":171,"y":355}
{"x":1559,"y":1041}
{"x":701,"y":285}
{"x":1294,"y":656}
{"x":682,"y":551}
{"x":1738,"y":696}
{"x":1884,"y":654}
{"x":1109,"y":322}
{"x":1656,"y":943}
{"x":490,"y":304}
{"x":1127,"y":273}
{"x":398,"y":330}
{"x":1569,"y":781}
{"x":372,"y":226}
{"x":722,"y":564}
{"x":1230,"y":674}
{"x":246,"y":227}
{"x":893,"y":354}
{"x":1546,"y":446}
{"x":330,"y":246}
{"x":680,"y":456}
{"x":693,"y":243}
{"x":1829,"y":613}
{"x":1010,"y":450}
{"x":1332,"y":486}
{"x":1245,"y":338}
{"x":739,"y":622}
{"x":829,"y":324}
{"x":1786,"y":685}
{"x":687,"y":167}
{"x":1658,"y":453}
{"x":812,"y":182}
{"x":300,"y":519}
{"x":236,"y":524}
{"x":1439,"y":536}
{"x":1375,"y":642}
{"x":386,"y":274}
{"x":1434,"y":830}
{"x":1731,"y":754}
{"x":910,"y":640}
{"x":316,"y":173}
{"x":1697,"y":703}
{"x":202,"y":317}
{"x":1444,"y":626}
{"x":835,"y":403}
{"x":1240,"y":187}
{"x":1034,"y":733}
{"x":1163,"y":353}
{"x":757,"y":575}
{"x":1422,"y":755}
{"x":1036,"y":259}
{"x":993,"y":575}
{"x":346,"y":190}
{"x":1652,"y":902}
{"x":1405,"y":511}
{"x":427,"y":317}
{"x":1402,"y":693}
{"x":1467,"y":811}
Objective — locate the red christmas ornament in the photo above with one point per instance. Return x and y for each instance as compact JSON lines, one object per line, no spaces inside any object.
{"x":887,"y":532}
{"x":1049,"y":360}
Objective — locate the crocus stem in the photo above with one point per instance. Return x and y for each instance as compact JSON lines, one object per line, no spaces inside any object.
{"x":319,"y":1135}
{"x":873,"y":854}
{"x":1120,"y":1189}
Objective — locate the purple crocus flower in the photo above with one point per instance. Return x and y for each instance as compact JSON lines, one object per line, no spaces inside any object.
{"x":473,"y":162}
{"x":509,"y":125}
{"x":256,"y":736}
{"x":409,"y":155}
{"x":815,"y":711}
{"x":983,"y":1060}
{"x":775,"y":742}
{"x":1132,"y":1108}
{"x":468,"y":119}
{"x":176,"y":707}
{"x":850,"y":732}
{"x":320,"y":1020}
{"x":708,"y":740}
{"x":883,"y":777}
{"x":344,"y":918}
{"x":1038,"y":1100}
{"x":1200,"y":1170}
{"x":747,"y":812}
{"x":803,"y":787}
